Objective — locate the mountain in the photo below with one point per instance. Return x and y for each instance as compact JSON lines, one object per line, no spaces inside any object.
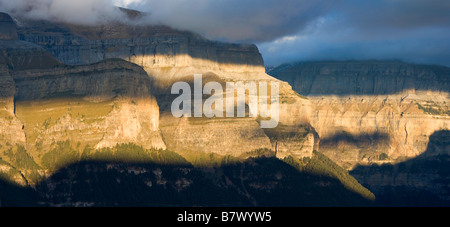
{"x":168,"y":56}
{"x":370,"y":113}
{"x":85,"y":108}
{"x":86,"y":120}
{"x":420,"y":181}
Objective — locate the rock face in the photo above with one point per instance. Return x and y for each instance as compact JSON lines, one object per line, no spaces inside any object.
{"x":421,"y":181}
{"x":7,"y":27}
{"x":221,"y":136}
{"x":11,"y":127}
{"x":367,"y":112}
{"x":127,"y":112}
{"x":71,"y":85}
{"x":168,"y":55}
{"x":163,"y":52}
{"x":20,"y":55}
{"x":364,"y":78}
{"x":44,"y":101}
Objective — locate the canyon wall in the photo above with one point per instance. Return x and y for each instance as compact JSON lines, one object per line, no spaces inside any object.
{"x":373,"y":111}
{"x":7,"y":27}
{"x":168,"y":56}
{"x":106,"y":103}
{"x":163,"y":52}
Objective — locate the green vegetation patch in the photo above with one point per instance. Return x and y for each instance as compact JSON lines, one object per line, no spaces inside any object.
{"x":132,"y":153}
{"x":321,"y":165}
{"x":21,"y":160}
{"x":433,"y":109}
{"x":60,"y":156}
{"x":8,"y":172}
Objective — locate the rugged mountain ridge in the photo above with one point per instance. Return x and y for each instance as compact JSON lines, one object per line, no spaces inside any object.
{"x":45,"y":103}
{"x":364,"y":109}
{"x":125,"y":110}
{"x":130,"y":114}
{"x":168,"y":56}
{"x":386,"y":121}
{"x":107,"y":111}
{"x":364,"y":78}
{"x":90,"y":96}
{"x":7,"y":27}
{"x":155,"y":48}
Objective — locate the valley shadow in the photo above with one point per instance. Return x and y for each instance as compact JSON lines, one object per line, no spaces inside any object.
{"x":12,"y":195}
{"x":420,"y":181}
{"x":256,"y":182}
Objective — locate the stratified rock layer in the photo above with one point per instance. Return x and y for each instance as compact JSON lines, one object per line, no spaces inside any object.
{"x":127,"y":112}
{"x":168,"y":56}
{"x":366,"y":112}
{"x":7,"y":27}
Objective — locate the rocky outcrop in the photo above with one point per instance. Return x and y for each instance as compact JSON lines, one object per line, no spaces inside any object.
{"x":11,"y":128}
{"x":372,"y":112}
{"x":44,"y":101}
{"x":420,"y":181}
{"x":226,"y":136}
{"x":20,"y":55}
{"x":7,"y":89}
{"x":293,"y":140}
{"x":169,"y":56}
{"x":106,"y":79}
{"x":365,"y":78}
{"x":110,"y":101}
{"x":7,"y":27}
{"x":163,"y":52}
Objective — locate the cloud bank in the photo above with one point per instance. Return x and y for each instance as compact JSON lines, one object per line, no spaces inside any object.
{"x":84,"y":12}
{"x":285,"y":30}
{"x":414,"y":31}
{"x":235,"y":20}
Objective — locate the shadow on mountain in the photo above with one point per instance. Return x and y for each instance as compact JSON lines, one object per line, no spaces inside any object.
{"x":360,"y":140}
{"x":343,"y":78}
{"x":16,"y":196}
{"x":421,"y":181}
{"x":260,"y":182}
{"x":79,"y":44}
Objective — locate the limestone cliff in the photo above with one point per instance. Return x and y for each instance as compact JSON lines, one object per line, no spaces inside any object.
{"x":373,"y":111}
{"x":11,"y":127}
{"x":7,"y":27}
{"x":104,"y":103}
{"x":420,"y":181}
{"x":169,"y":56}
{"x":364,"y":78}
{"x":163,"y":52}
{"x":44,"y":102}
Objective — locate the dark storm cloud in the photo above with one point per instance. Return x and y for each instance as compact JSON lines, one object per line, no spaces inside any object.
{"x":236,"y":20}
{"x":285,"y":30}
{"x":290,"y":30}
{"x":415,"y":31}
{"x":399,"y":14}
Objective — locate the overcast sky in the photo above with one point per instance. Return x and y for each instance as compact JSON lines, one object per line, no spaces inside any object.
{"x":285,"y":30}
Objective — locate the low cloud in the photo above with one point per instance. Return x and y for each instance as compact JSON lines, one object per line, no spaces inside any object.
{"x":234,"y":20}
{"x":285,"y":30}
{"x":409,"y":30}
{"x":84,"y":12}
